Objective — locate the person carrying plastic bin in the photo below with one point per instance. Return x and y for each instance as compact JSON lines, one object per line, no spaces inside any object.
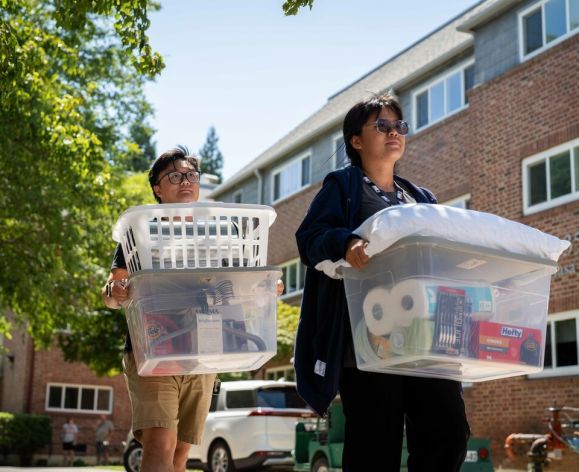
{"x":432,"y":409}
{"x":169,"y":413}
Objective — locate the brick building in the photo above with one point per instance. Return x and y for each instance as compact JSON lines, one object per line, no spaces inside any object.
{"x":492,"y":98}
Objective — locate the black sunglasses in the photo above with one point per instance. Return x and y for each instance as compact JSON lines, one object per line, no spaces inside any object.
{"x":384,"y":126}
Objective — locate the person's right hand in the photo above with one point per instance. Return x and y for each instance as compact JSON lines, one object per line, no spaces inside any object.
{"x":119,"y":290}
{"x":356,"y":253}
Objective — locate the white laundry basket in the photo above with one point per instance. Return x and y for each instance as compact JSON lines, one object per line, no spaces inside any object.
{"x":194,"y":235}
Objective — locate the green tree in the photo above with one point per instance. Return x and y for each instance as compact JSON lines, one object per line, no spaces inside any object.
{"x":211,"y":157}
{"x":71,"y":95}
{"x":291,"y":7}
{"x":287,"y":324}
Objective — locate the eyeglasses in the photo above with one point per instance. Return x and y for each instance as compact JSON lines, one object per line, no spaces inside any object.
{"x":384,"y":126}
{"x":177,"y":177}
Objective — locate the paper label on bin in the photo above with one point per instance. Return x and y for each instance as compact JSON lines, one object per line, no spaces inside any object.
{"x":209,"y":334}
{"x":471,"y":264}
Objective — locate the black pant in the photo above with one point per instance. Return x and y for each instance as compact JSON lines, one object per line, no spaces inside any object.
{"x":436,"y":426}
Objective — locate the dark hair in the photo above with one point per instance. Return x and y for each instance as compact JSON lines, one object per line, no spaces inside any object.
{"x":167,"y":158}
{"x":359,"y":114}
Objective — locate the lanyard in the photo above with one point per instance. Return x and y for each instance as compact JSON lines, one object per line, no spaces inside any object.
{"x":401,"y":195}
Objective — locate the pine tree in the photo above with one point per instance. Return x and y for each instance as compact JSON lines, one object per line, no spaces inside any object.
{"x":210,"y":155}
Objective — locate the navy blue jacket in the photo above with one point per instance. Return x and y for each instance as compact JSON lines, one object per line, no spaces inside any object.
{"x":324,"y":321}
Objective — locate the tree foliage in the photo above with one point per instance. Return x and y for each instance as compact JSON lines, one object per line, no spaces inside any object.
{"x":211,"y":157}
{"x":291,"y":7}
{"x":71,"y":95}
{"x":287,"y":324}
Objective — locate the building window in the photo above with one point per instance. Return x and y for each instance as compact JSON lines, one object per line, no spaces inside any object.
{"x":292,"y":177}
{"x":459,"y":202}
{"x":551,"y":178}
{"x":546,"y":23}
{"x":285,"y":372}
{"x":293,"y":276}
{"x":238,"y":197}
{"x":340,"y":157}
{"x":79,"y":398}
{"x":443,"y":96}
{"x":561,"y":345}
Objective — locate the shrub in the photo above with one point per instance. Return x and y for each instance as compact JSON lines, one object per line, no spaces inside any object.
{"x":24,"y":434}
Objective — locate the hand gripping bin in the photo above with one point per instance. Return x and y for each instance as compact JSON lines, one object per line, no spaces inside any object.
{"x":428,"y":307}
{"x":202,"y":299}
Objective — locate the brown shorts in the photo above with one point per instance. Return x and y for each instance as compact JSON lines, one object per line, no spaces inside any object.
{"x":180,"y":402}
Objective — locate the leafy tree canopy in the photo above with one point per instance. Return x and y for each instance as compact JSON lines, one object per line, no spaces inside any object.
{"x":291,"y":7}
{"x":73,"y":123}
{"x":211,"y":157}
{"x":287,"y":324}
{"x":72,"y":120}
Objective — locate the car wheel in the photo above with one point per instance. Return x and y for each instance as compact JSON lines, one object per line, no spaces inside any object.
{"x":132,"y":457}
{"x":320,"y":465}
{"x":220,"y":458}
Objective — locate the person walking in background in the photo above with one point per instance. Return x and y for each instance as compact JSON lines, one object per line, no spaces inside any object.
{"x":102,"y":436}
{"x":432,"y":410}
{"x":68,"y":435}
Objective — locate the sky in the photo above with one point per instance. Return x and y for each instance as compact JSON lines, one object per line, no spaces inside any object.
{"x":255,"y":74}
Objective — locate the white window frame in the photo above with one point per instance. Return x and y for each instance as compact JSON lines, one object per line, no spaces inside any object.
{"x":545,"y":156}
{"x":335,"y":138}
{"x":428,"y":85}
{"x":545,"y":46}
{"x":281,"y":368}
{"x":462,"y":199}
{"x":566,"y":370}
{"x":278,"y":170}
{"x":79,"y":387}
{"x":240,"y":193}
{"x":299,"y":291}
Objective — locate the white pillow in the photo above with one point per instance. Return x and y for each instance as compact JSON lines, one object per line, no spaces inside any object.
{"x":387,"y":226}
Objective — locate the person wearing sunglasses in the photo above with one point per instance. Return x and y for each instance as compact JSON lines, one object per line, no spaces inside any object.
{"x":168,"y":413}
{"x":431,"y":410}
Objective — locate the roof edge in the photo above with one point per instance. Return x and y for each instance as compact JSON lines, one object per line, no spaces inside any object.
{"x":486,"y":15}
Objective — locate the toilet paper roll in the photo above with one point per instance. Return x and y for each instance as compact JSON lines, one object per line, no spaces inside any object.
{"x":376,"y":311}
{"x":417,"y":298}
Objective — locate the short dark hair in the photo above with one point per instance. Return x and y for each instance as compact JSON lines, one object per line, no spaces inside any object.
{"x":167,"y":158}
{"x":359,"y":114}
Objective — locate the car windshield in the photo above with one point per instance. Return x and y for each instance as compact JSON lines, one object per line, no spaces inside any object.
{"x":276,"y":397}
{"x":279,"y":398}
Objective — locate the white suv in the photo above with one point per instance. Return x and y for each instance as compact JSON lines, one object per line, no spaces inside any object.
{"x":251,"y":423}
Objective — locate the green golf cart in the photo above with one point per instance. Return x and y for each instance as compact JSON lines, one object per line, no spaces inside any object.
{"x":319,"y":444}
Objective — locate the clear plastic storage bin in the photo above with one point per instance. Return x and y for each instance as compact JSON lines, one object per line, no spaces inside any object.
{"x":432,"y":308}
{"x":194,"y":235}
{"x":201,"y":321}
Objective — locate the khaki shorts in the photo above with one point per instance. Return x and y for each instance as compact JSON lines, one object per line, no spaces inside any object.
{"x":180,"y":402}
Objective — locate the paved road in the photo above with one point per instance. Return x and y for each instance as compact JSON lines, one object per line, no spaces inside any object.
{"x":103,"y":469}
{"x":56,"y":469}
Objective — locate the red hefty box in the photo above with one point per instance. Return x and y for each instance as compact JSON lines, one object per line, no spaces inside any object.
{"x":505,"y":343}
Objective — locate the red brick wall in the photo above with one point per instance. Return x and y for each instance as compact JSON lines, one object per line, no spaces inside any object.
{"x":532,"y":108}
{"x":290,"y":213}
{"x":49,"y":366}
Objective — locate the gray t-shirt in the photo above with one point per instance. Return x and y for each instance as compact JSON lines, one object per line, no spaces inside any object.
{"x":103,"y":430}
